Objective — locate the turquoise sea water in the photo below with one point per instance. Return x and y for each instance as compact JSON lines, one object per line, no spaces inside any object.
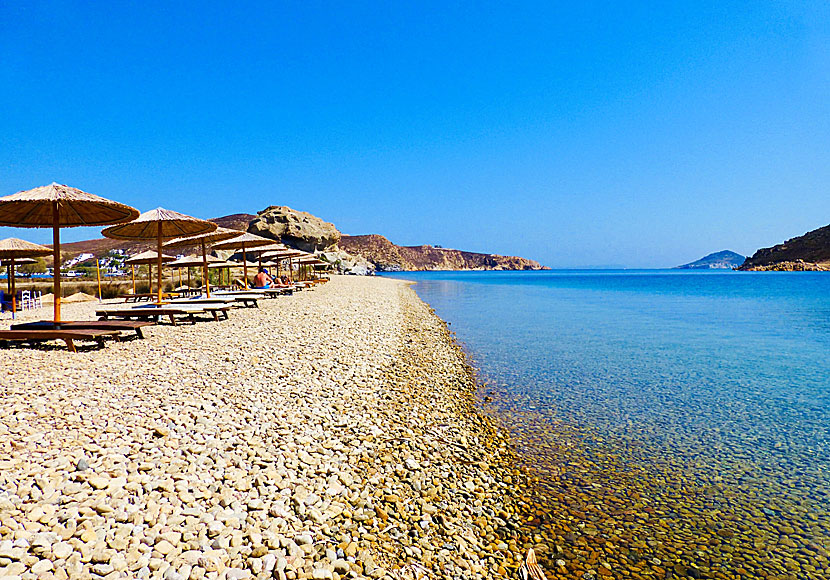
{"x":691,"y":408}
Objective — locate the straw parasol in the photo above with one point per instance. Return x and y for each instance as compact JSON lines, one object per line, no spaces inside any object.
{"x":15,"y":251}
{"x":60,"y":206}
{"x":244,"y":242}
{"x":159,"y":224}
{"x":149,"y":258}
{"x":20,"y":261}
{"x":284,"y":253}
{"x":308,"y":260}
{"x":217,"y":235}
{"x":192,"y":261}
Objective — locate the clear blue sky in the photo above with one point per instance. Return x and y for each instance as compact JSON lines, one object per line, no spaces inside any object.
{"x":576,"y":133}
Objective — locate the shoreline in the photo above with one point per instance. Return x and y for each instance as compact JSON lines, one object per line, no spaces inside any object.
{"x":331,"y":434}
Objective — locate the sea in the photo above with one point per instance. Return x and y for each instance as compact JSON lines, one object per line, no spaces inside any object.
{"x":677,"y":422}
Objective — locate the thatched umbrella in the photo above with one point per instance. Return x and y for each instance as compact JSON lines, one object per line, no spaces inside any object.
{"x":270,"y":248}
{"x":14,"y":251}
{"x":193,"y":261}
{"x":244,"y":242}
{"x":159,"y":224}
{"x":218,"y":235}
{"x":60,"y":206}
{"x":149,"y":258}
{"x":284,"y":253}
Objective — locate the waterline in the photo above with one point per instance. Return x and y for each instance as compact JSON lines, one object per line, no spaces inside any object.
{"x":676,"y":421}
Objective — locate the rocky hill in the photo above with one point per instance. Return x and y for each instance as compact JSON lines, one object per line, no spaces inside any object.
{"x":808,"y":252}
{"x":351,"y":253}
{"x":298,"y":229}
{"x":388,"y":256}
{"x":723,"y":260}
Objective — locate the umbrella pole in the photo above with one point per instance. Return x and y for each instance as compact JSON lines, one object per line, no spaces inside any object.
{"x":14,"y":293}
{"x":150,"y":278}
{"x":244,"y":266}
{"x":98,"y":273}
{"x":159,"y":263}
{"x":205,"y":269}
{"x":56,"y":256}
{"x":132,"y":275}
{"x":189,"y":285}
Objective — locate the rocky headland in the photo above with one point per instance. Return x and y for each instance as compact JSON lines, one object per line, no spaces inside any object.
{"x":348,"y":254}
{"x":810,"y":252}
{"x":308,"y":453}
{"x":387,"y":256}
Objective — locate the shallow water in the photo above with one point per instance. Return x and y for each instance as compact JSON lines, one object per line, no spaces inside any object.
{"x":679,"y":422}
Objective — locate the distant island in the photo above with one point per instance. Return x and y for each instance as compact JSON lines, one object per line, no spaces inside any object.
{"x":810,"y":252}
{"x":723,"y":260}
{"x":350,"y":254}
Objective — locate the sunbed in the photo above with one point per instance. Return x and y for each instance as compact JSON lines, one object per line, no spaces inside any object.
{"x":135,"y":325}
{"x":171,"y":312}
{"x":228,"y":299}
{"x":66,"y":335}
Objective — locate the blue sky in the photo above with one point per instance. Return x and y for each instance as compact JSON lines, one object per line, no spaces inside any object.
{"x":590,"y":133}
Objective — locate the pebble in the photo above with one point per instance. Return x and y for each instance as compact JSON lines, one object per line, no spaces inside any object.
{"x":312,"y":452}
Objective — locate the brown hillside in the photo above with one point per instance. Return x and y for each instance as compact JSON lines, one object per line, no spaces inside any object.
{"x":388,"y":256}
{"x":237,"y":221}
{"x":811,"y":248}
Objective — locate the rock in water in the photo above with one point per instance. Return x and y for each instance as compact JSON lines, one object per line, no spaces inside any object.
{"x":298,"y":229}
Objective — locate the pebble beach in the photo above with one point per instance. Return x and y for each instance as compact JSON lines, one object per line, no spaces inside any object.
{"x":330,"y":434}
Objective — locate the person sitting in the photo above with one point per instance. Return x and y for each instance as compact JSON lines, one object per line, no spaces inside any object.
{"x":262,"y":279}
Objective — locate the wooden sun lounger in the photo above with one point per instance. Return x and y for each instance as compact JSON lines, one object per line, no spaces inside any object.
{"x":145,"y":297}
{"x":156,"y":313}
{"x":228,"y":299}
{"x":135,"y":325}
{"x":66,"y":335}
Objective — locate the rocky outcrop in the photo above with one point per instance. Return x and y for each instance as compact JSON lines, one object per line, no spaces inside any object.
{"x":723,"y":260}
{"x":387,"y":256}
{"x":297,"y":229}
{"x":346,"y":263}
{"x":813,"y":248}
{"x":797,"y":266}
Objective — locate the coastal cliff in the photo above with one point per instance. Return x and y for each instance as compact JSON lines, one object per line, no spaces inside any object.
{"x":808,"y":252}
{"x":353,"y":254}
{"x":387,"y":256}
